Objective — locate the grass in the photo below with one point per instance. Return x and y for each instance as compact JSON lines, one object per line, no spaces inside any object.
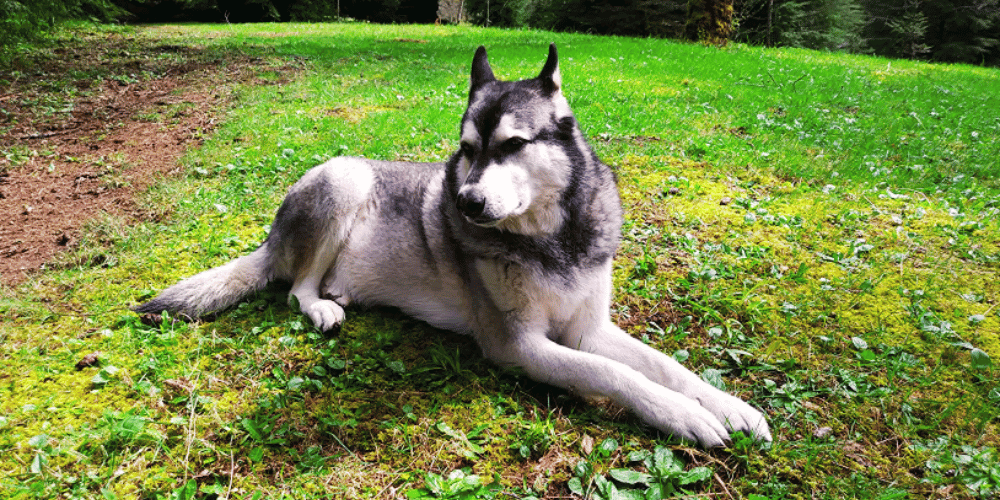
{"x":816,"y":232}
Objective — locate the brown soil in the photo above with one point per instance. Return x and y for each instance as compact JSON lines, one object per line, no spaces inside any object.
{"x":74,"y":148}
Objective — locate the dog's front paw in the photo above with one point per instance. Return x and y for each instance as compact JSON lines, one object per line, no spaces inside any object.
{"x":682,"y":417}
{"x":326,"y":315}
{"x":737,"y":415}
{"x":699,"y":427}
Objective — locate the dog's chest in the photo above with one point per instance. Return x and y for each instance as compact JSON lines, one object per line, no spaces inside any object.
{"x":533,"y":297}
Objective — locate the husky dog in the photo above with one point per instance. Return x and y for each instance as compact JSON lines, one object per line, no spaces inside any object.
{"x":511,"y":241}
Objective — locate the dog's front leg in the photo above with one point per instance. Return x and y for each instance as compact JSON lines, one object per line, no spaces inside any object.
{"x":589,"y":374}
{"x":611,"y":342}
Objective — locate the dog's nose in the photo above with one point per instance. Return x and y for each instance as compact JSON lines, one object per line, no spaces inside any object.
{"x":471,"y":203}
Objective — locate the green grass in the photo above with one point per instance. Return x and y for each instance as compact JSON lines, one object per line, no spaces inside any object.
{"x":817,"y":232}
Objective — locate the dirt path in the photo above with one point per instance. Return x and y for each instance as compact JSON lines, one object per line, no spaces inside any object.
{"x":85,"y":127}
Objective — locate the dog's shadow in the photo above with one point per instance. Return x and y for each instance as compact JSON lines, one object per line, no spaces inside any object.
{"x":330,"y":393}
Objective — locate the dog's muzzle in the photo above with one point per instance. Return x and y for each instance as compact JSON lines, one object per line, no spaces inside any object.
{"x":471,"y":203}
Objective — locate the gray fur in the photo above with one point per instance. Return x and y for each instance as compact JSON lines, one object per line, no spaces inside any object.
{"x":511,"y":241}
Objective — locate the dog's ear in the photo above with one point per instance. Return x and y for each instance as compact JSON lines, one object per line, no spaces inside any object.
{"x":481,"y":71}
{"x":550,"y":78}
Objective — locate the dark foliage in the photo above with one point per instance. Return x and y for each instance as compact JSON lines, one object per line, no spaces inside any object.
{"x":814,"y":24}
{"x":965,"y":31}
{"x":248,"y":11}
{"x":390,"y":11}
{"x":941,"y":30}
{"x":24,"y":20}
{"x":661,"y":18}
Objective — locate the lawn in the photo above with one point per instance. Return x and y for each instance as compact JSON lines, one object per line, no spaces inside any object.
{"x":816,"y":232}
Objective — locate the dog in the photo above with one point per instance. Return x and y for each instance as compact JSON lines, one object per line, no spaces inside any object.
{"x":511,"y":241}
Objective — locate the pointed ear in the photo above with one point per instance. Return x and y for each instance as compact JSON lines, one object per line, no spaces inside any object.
{"x":481,"y":71}
{"x":549,"y":76}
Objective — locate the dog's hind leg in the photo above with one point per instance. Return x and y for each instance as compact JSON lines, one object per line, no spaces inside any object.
{"x":311,"y":230}
{"x":325,"y":314}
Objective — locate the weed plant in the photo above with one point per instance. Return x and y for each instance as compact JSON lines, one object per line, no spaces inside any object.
{"x":817,"y":233}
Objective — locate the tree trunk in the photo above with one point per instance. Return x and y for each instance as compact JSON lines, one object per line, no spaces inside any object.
{"x":709,"y":21}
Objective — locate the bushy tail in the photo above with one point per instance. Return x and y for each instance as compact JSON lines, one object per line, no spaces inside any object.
{"x":215,"y":289}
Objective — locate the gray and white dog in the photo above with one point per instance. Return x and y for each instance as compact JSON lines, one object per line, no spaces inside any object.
{"x":511,"y":241}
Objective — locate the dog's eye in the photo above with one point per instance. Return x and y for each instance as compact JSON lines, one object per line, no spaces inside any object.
{"x":514,"y":143}
{"x":467,"y":150}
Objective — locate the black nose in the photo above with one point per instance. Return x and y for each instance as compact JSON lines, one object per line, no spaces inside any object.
{"x":471,"y":203}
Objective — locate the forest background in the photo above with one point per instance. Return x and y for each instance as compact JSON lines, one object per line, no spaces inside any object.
{"x":954,"y":31}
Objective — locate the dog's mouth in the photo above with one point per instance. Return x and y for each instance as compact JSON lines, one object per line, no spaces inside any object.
{"x":482,"y":221}
{"x":487,"y":221}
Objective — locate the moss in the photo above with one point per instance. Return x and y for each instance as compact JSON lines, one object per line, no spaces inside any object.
{"x":864,"y":259}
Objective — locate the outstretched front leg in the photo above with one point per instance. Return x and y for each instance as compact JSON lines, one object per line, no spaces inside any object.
{"x":611,"y":342}
{"x":589,"y":374}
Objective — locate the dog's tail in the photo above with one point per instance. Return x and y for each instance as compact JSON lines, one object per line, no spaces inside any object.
{"x":215,"y":289}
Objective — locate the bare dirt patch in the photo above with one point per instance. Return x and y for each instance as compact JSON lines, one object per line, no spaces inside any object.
{"x":90,"y":122}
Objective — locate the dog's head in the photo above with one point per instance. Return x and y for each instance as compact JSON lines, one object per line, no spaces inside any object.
{"x":519,"y":145}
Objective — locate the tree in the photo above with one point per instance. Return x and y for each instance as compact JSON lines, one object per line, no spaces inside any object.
{"x":709,"y":21}
{"x":909,"y":31}
{"x":814,"y":24}
{"x":662,"y":18}
{"x":944,"y":30}
{"x":451,"y":11}
{"x":965,"y":31}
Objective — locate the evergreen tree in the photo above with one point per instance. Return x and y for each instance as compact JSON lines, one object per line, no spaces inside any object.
{"x":815,"y":24}
{"x":943,"y":30}
{"x":909,"y":31}
{"x":662,"y":18}
{"x":965,"y":31}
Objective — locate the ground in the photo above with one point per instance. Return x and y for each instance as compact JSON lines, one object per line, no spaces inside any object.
{"x":856,"y":306}
{"x":87,"y":126}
